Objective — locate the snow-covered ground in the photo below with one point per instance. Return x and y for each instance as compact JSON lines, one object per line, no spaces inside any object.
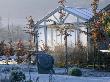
{"x":89,"y":75}
{"x":86,"y":72}
{"x":65,"y":78}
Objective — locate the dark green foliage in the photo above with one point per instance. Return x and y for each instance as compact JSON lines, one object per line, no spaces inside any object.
{"x":75,"y":72}
{"x":17,"y":76}
{"x":106,"y":24}
{"x":106,"y":20}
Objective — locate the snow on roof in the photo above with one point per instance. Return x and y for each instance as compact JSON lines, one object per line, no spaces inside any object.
{"x":84,"y":13}
{"x":107,"y":8}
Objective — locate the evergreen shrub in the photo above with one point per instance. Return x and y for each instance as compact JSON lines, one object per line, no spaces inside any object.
{"x":75,"y":72}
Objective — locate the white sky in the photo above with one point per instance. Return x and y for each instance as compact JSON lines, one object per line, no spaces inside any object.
{"x":18,"y":10}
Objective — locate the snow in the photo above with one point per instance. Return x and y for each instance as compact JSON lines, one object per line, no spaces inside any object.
{"x":89,"y":75}
{"x":65,"y":78}
{"x":11,"y":60}
{"x":105,"y":51}
{"x":94,"y":73}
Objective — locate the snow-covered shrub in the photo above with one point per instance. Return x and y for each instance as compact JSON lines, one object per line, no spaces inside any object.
{"x":17,"y":76}
{"x":15,"y":68}
{"x":75,"y":72}
{"x":4,"y":80}
{"x":5,"y":69}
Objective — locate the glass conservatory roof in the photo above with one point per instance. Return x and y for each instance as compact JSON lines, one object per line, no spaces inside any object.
{"x":83,"y":13}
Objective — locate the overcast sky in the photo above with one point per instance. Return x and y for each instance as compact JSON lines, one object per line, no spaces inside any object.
{"x":20,"y":9}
